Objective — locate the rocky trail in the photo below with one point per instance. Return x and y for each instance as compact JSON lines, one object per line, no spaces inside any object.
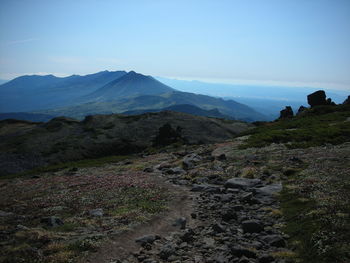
{"x":206,"y":203}
{"x":229,"y":211}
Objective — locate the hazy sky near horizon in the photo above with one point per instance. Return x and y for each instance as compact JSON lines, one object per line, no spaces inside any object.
{"x":291,"y":42}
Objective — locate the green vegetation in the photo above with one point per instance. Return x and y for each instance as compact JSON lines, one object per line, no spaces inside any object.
{"x":316,"y":127}
{"x":317,"y":217}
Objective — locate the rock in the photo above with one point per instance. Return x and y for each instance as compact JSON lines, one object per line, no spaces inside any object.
{"x":190,"y":161}
{"x":240,"y":251}
{"x":274,"y":240}
{"x":52,"y":221}
{"x":166,"y":251}
{"x":225,"y":198}
{"x":5,"y":214}
{"x":301,"y":110}
{"x":252,"y":226}
{"x":229,"y":215}
{"x":148,"y":170}
{"x":96,"y":212}
{"x":194,"y":215}
{"x":317,"y":98}
{"x":176,"y":170}
{"x":270,"y":189}
{"x":286,"y":113}
{"x":147,"y":239}
{"x":218,"y":228}
{"x":22,"y":227}
{"x":205,"y":188}
{"x":181,"y":222}
{"x":241,"y":183}
{"x":347,"y":101}
{"x":238,"y":207}
{"x":266,"y":259}
{"x":221,"y":157}
{"x":246,"y":196}
{"x":188,"y":235}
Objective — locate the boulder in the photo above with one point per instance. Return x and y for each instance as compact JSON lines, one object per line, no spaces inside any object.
{"x":301,"y":110}
{"x":317,"y":98}
{"x":347,"y":101}
{"x":252,"y":226}
{"x":286,"y":113}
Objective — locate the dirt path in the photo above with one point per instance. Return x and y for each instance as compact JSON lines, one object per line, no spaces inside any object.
{"x":123,"y":245}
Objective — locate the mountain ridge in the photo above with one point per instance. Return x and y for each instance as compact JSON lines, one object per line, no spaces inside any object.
{"x":105,"y":93}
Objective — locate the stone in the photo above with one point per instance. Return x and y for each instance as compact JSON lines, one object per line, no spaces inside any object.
{"x":221,"y":157}
{"x":191,"y":160}
{"x":252,"y":226}
{"x":148,"y":170}
{"x":96,"y":212}
{"x":218,"y":228}
{"x":5,"y":214}
{"x":246,"y":196}
{"x":317,"y":98}
{"x":188,"y":235}
{"x":147,"y":239}
{"x":347,"y":101}
{"x":180,"y":222}
{"x":229,"y":215}
{"x":238,"y":207}
{"x":240,"y":251}
{"x":301,"y":110}
{"x":268,"y":190}
{"x":241,"y":183}
{"x":166,"y":251}
{"x":274,"y":240}
{"x":176,"y":170}
{"x":286,"y":113}
{"x":266,"y":259}
{"x":205,"y":188}
{"x":52,"y":221}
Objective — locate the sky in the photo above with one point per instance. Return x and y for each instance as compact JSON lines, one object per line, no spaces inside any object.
{"x":286,"y":42}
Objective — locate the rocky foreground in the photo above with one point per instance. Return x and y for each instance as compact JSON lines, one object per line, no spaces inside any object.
{"x":213,"y":203}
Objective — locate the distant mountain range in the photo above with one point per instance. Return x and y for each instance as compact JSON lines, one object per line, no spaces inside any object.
{"x":262,"y":98}
{"x":108,"y":92}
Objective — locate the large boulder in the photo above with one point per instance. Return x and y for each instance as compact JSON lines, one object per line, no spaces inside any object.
{"x":301,"y":110}
{"x":317,"y":98}
{"x":347,"y":101}
{"x":286,"y":113}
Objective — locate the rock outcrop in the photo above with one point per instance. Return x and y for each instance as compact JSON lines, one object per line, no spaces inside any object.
{"x":286,"y":113}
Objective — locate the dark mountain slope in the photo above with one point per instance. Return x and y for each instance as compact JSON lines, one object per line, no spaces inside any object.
{"x":28,"y":93}
{"x":184,"y":108}
{"x":231,"y":108}
{"x":130,"y":85}
{"x":26,"y":145}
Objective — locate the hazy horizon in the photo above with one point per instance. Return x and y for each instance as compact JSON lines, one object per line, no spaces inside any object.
{"x":290,"y":43}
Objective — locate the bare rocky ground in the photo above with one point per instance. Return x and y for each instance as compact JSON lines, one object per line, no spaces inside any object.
{"x":213,"y":203}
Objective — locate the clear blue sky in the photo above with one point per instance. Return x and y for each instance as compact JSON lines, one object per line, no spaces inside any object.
{"x":304,"y":42}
